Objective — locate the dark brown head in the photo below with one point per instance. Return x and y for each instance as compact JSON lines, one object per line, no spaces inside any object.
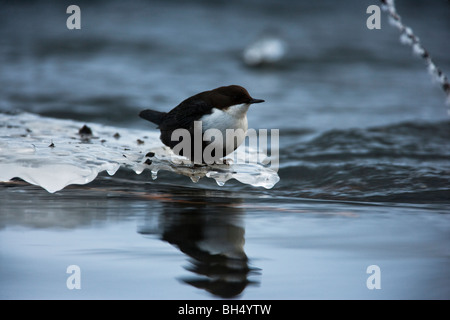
{"x":224,"y":97}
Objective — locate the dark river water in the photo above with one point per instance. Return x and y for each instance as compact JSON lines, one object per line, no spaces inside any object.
{"x":364,"y":153}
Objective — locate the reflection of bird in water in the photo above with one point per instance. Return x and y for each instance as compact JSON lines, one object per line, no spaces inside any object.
{"x":214,"y":241}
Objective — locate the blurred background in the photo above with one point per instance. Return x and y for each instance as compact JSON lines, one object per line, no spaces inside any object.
{"x":364,"y":159}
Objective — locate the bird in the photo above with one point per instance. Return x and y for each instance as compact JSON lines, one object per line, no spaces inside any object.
{"x":222,"y":109}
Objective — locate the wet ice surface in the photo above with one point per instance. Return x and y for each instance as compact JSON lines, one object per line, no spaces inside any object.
{"x":56,"y":153}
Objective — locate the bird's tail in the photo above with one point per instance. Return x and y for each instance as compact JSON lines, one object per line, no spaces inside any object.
{"x":152,"y":116}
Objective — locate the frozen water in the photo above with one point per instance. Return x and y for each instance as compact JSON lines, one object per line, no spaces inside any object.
{"x":54,"y":153}
{"x":408,"y":37}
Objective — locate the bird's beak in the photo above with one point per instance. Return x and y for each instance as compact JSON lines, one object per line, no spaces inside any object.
{"x":256,"y":101}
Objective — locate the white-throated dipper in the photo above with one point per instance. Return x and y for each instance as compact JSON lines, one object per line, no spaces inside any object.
{"x":224,"y":109}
